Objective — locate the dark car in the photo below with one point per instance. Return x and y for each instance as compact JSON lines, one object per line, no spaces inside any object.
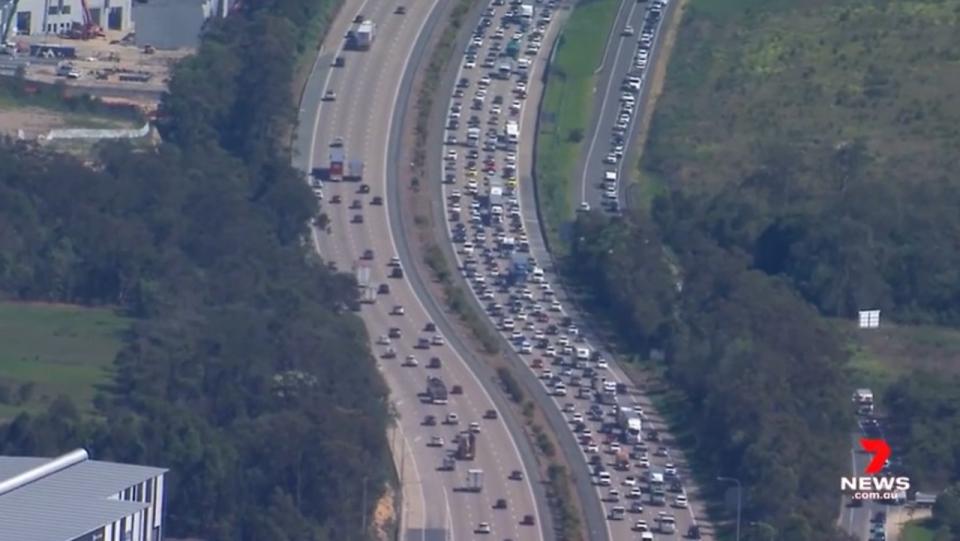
{"x":693,"y":532}
{"x":400,"y":10}
{"x":434,"y":362}
{"x":356,"y":204}
{"x":384,"y":289}
{"x":339,"y":62}
{"x":359,"y":18}
{"x":396,"y":272}
{"x":429,"y":420}
{"x":364,"y":188}
{"x":367,"y":254}
{"x":456,"y":389}
{"x":527,"y":520}
{"x":358,"y":219}
{"x":501,"y":504}
{"x":394,"y":332}
{"x":335,"y":199}
{"x":490,"y":414}
{"x":377,"y":200}
{"x":516,"y":475}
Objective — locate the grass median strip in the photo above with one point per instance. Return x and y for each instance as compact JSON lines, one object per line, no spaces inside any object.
{"x":566,"y":108}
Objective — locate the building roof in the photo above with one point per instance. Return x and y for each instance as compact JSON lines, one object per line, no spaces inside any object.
{"x":67,"y":502}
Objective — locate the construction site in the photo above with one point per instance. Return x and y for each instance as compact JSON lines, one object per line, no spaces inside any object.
{"x":108,"y":49}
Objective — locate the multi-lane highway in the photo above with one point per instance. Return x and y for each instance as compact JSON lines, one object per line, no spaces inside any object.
{"x":366,"y":89}
{"x":622,"y":92}
{"x":487,"y":216}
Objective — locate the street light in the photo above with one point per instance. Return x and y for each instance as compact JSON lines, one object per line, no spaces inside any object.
{"x":769,"y":528}
{"x":739,"y":498}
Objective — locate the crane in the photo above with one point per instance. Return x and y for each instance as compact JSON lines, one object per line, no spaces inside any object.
{"x":8,"y":24}
{"x":87,"y":29}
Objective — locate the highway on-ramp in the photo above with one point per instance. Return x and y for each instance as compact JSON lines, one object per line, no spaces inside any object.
{"x":367,"y":89}
{"x":620,"y":62}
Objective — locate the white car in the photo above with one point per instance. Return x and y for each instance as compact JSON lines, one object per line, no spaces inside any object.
{"x":383,"y":340}
{"x":680,"y":502}
{"x":641,"y":526}
{"x":483,"y":527}
{"x":469,"y":64}
{"x":593,"y":449}
{"x":630,"y":481}
{"x":602,"y":364}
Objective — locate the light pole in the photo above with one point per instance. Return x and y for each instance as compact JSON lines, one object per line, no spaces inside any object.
{"x":756,"y":523}
{"x":739,"y":498}
{"x":363,"y":509}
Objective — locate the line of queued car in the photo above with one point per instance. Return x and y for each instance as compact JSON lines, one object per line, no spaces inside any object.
{"x":630,"y":89}
{"x":481,"y":194}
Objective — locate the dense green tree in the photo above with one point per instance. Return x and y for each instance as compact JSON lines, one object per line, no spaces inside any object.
{"x":241,"y":373}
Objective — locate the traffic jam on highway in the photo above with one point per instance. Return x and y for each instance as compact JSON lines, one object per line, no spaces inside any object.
{"x":630,"y":89}
{"x":634,"y":474}
{"x":445,"y":426}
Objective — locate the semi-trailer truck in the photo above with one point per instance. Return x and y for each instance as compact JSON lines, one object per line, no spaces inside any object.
{"x":436,"y":390}
{"x":335,"y":171}
{"x":354,"y":171}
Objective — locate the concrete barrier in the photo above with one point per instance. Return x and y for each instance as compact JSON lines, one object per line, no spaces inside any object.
{"x":83,"y":133}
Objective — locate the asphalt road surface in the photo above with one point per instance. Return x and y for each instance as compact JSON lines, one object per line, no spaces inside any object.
{"x":366,"y":89}
{"x":471,"y":169}
{"x":619,"y":63}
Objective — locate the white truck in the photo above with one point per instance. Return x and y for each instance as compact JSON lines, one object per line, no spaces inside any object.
{"x":362,"y":37}
{"x":630,"y":423}
{"x":863,"y":400}
{"x":512,"y":132}
{"x":474,"y":480}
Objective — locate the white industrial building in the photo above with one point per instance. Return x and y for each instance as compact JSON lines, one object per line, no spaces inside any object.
{"x":164,"y":24}
{"x":73,"y":498}
{"x":35,"y":17}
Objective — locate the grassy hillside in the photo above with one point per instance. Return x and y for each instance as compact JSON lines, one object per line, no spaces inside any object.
{"x":566,"y":108}
{"x":755,"y":78}
{"x":49,"y":350}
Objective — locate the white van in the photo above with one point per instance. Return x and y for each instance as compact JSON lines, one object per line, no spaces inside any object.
{"x":610,"y":176}
{"x":583,"y":354}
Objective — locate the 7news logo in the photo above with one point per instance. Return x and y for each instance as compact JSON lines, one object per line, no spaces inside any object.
{"x":872,"y":486}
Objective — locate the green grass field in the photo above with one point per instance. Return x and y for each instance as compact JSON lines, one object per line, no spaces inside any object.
{"x":918,"y":530}
{"x":567,"y":105}
{"x":881,"y":356}
{"x":748,"y":77}
{"x":59,"y":349}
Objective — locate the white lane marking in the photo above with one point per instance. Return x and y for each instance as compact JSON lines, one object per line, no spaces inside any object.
{"x":606,"y":50}
{"x":417,"y":299}
{"x":603,"y":107}
{"x":443,"y":189}
{"x":448,"y":523}
{"x":326,"y":83}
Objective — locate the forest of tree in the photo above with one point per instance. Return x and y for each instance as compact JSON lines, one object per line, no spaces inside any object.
{"x":796,"y":180}
{"x":242,"y":373}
